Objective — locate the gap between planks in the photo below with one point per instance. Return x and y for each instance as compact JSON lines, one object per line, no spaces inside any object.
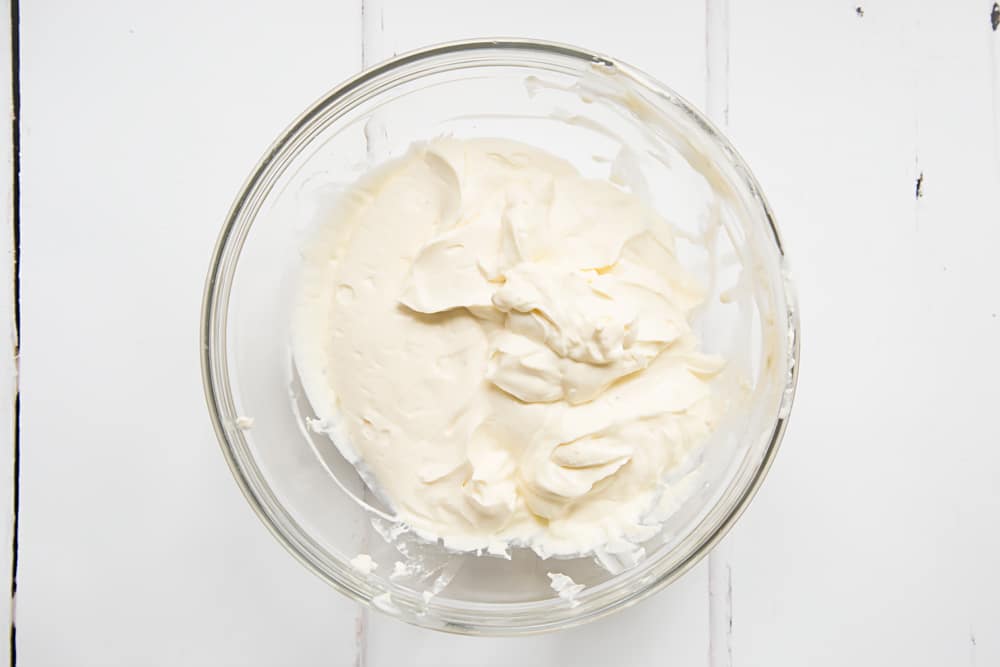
{"x":720,"y":572}
{"x":14,"y":213}
{"x":372,"y":52}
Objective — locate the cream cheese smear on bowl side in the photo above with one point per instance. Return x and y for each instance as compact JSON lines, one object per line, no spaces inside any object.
{"x":503,"y":348}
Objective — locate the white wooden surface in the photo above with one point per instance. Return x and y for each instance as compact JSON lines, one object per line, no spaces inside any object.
{"x":873,"y":542}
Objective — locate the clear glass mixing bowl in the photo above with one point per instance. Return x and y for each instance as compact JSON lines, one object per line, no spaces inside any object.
{"x":610,"y":120}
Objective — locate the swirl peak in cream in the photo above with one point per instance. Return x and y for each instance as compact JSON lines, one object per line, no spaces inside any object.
{"x":503,"y":347}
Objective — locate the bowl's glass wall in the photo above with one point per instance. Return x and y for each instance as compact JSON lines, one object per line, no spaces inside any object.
{"x":586,"y":110}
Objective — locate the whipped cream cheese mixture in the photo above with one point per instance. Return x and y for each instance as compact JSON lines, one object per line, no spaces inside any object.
{"x":503,"y":348}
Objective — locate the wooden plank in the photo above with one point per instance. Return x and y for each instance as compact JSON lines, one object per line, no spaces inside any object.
{"x":668,"y":41}
{"x":874,"y":133}
{"x":669,"y":628}
{"x":140,"y":122}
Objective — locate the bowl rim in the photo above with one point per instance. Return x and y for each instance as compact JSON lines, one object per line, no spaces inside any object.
{"x":211,"y":301}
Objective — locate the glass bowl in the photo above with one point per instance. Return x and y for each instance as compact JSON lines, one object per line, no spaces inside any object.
{"x":611,"y":121}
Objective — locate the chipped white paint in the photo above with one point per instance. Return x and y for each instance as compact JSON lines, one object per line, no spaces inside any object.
{"x":870,"y":543}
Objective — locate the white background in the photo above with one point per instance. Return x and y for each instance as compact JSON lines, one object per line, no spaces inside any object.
{"x":876,"y":538}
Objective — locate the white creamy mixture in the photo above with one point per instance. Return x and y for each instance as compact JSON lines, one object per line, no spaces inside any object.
{"x":503,"y":348}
